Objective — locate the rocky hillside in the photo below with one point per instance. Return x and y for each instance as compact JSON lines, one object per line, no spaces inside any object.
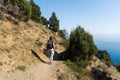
{"x":100,"y":71}
{"x":24,"y":44}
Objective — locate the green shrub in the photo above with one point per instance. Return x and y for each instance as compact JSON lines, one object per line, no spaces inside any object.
{"x":4,"y":32}
{"x":82,"y":64}
{"x":81,"y":49}
{"x":1,"y":16}
{"x":10,"y":56}
{"x":104,"y":57}
{"x":78,"y":70}
{"x":63,"y":55}
{"x":81,"y":45}
{"x":22,"y":68}
{"x":68,"y":62}
{"x":9,"y":18}
{"x":1,"y":63}
{"x":38,"y":42}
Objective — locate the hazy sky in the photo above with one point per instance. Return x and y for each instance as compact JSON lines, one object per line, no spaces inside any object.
{"x":99,"y":17}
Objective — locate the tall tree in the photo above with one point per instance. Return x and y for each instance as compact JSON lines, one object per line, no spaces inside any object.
{"x":36,"y":13}
{"x":23,"y":6}
{"x":44,"y":21}
{"x":63,"y":33}
{"x":54,"y":23}
{"x":25,"y":9}
{"x":81,"y":45}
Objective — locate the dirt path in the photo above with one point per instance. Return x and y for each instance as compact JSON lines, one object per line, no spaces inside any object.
{"x":41,"y":71}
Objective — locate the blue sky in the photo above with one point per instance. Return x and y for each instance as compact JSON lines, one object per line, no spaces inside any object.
{"x":101,"y":18}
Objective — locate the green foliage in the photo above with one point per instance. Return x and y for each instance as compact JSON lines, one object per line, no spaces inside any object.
{"x":80,"y":50}
{"x":78,"y":70}
{"x":38,"y":42}
{"x":105,"y":57}
{"x":54,"y":23}
{"x":61,"y":34}
{"x":44,"y":21}
{"x":22,"y":68}
{"x":81,"y":45}
{"x":9,"y":18}
{"x":64,"y":34}
{"x":28,"y":12}
{"x":1,"y":16}
{"x":82,"y":64}
{"x":36,"y":13}
{"x":63,"y":55}
{"x":10,"y":56}
{"x":1,"y":63}
{"x":25,"y":8}
{"x":117,"y":67}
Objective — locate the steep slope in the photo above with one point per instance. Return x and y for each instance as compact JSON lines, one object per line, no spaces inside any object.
{"x":24,"y":44}
{"x":100,"y":71}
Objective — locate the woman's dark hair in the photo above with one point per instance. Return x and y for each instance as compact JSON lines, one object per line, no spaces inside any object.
{"x":51,"y":38}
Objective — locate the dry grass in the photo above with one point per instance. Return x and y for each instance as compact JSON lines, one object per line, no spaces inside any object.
{"x":17,"y":41}
{"x":1,"y":15}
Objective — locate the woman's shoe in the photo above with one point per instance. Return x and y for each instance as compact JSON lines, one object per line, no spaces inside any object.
{"x":50,"y":62}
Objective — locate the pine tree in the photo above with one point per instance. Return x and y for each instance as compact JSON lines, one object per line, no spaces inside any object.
{"x":25,"y":9}
{"x":54,"y":23}
{"x":44,"y":21}
{"x":63,"y":33}
{"x":36,"y":13}
{"x":23,"y":6}
{"x":81,"y":45}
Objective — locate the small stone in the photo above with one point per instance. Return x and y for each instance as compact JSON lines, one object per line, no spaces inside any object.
{"x":58,"y":70}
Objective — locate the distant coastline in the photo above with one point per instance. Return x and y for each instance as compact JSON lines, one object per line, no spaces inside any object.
{"x":111,"y":47}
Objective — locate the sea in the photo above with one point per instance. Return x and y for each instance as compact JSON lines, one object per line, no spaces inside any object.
{"x":113,"y":48}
